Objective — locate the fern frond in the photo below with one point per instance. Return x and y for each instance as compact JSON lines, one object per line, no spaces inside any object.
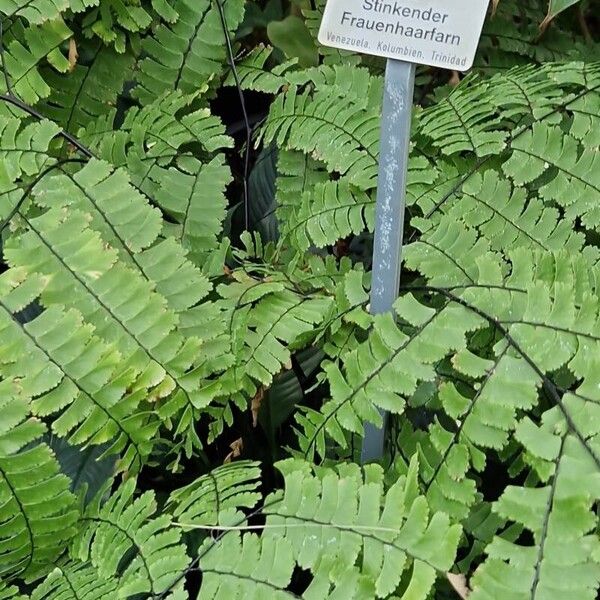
{"x":343,"y":136}
{"x":547,"y":319}
{"x":25,"y":150}
{"x":565,"y":556}
{"x":184,"y":55}
{"x":63,"y":367}
{"x":194,"y":193}
{"x":124,"y":539}
{"x":274,"y":325}
{"x":35,"y":11}
{"x":88,"y":91}
{"x":508,"y":217}
{"x":10,"y":593}
{"x":297,"y":173}
{"x":253,"y":74}
{"x":382,"y":371}
{"x":576,"y":183}
{"x":38,"y":513}
{"x":229,"y":487}
{"x":343,"y":528}
{"x":190,"y":189}
{"x":76,"y":582}
{"x":513,"y":37}
{"x":27,"y":50}
{"x":122,"y":306}
{"x":327,"y":213}
{"x":120,"y":213}
{"x":464,"y":122}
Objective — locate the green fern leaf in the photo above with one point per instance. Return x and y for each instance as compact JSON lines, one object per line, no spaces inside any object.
{"x":345,"y":137}
{"x":63,"y":367}
{"x":462,"y":123}
{"x":231,"y":486}
{"x":108,"y":295}
{"x":327,"y":213}
{"x":382,"y":371}
{"x":565,"y":556}
{"x":27,"y":49}
{"x":88,"y":91}
{"x":123,"y":538}
{"x":576,"y":186}
{"x":253,"y":73}
{"x":38,"y":513}
{"x":371,"y":538}
{"x":76,"y":582}
{"x":185,"y":54}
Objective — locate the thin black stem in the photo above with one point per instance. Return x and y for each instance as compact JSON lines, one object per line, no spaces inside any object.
{"x":238,"y":85}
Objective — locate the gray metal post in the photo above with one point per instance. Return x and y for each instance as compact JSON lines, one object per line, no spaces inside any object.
{"x":390,"y":207}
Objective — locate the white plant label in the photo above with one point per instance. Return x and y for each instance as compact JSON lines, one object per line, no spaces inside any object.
{"x":440,"y":33}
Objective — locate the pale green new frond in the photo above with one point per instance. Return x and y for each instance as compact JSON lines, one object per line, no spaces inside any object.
{"x":564,"y":560}
{"x":184,"y":55}
{"x":62,"y":367}
{"x":38,"y":513}
{"x":266,"y":321}
{"x":228,"y":487}
{"x":124,"y":538}
{"x":88,"y":91}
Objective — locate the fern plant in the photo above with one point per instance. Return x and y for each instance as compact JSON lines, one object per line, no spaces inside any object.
{"x":187,"y":359}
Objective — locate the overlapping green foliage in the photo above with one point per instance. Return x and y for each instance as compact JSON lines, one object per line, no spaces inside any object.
{"x":145,"y":332}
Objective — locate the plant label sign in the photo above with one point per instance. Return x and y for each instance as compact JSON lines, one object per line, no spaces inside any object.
{"x":440,"y":33}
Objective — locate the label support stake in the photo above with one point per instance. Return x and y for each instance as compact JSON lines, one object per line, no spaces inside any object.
{"x":390,"y":207}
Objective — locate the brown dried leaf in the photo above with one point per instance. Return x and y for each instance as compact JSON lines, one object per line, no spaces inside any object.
{"x":256,"y":404}
{"x":459,"y":583}
{"x":73,"y":54}
{"x":236,"y":450}
{"x":455,"y":79}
